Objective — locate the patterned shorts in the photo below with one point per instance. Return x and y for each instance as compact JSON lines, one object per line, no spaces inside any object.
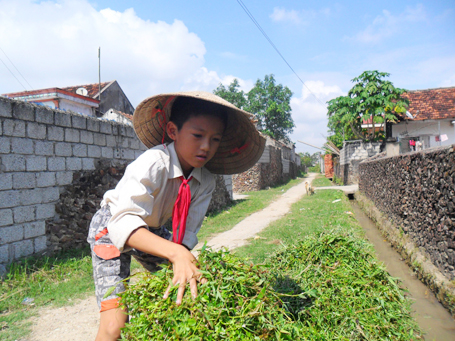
{"x":110,"y":267}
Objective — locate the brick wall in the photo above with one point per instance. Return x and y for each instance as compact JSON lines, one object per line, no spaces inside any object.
{"x":44,"y":154}
{"x":416,"y":191}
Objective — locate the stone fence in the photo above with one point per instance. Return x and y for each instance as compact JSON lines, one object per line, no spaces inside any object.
{"x":54,"y":168}
{"x":416,"y":191}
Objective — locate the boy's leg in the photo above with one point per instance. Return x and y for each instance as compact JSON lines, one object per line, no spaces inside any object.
{"x":110,"y":268}
{"x":111,"y":321}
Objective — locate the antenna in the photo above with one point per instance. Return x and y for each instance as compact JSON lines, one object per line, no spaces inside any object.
{"x":82,"y":91}
{"x":99,"y":74}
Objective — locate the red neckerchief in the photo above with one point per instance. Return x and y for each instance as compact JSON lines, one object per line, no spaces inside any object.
{"x":180,"y":211}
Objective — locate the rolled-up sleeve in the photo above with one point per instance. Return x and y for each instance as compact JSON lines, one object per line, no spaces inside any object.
{"x":133,"y":200}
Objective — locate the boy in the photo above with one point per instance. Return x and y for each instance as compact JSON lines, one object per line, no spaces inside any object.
{"x":207,"y":135}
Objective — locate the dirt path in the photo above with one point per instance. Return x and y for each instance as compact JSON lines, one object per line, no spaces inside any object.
{"x":79,"y":322}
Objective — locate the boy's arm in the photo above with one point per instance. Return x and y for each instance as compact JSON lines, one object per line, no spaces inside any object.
{"x":183,"y":261}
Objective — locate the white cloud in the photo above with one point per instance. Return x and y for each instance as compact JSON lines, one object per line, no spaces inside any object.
{"x":55,"y":44}
{"x":281,"y":14}
{"x":387,"y":24}
{"x":310,"y":114}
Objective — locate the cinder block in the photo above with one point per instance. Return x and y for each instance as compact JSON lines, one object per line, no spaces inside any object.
{"x":79,"y":122}
{"x":45,"y":179}
{"x":107,"y":152}
{"x":73,"y":163}
{"x":35,"y":229}
{"x":13,"y":163}
{"x":110,"y":141}
{"x":6,"y":109}
{"x":22,"y":145}
{"x":62,"y":119}
{"x":130,"y":132}
{"x":24,"y":180}
{"x":44,"y":148}
{"x":31,"y":196}
{"x":36,"y":163}
{"x":72,"y":135}
{"x":86,"y":137}
{"x":5,"y":145}
{"x":106,"y":128}
{"x":94,"y":151}
{"x":6,"y":181}
{"x":14,"y":128}
{"x":36,"y":130}
{"x":137,"y":153}
{"x":24,"y":111}
{"x":23,"y":248}
{"x":129,"y":154}
{"x":23,"y":214}
{"x":63,"y":149}
{"x":6,"y":217}
{"x":55,"y":133}
{"x":50,"y":194}
{"x":44,"y":115}
{"x":88,"y":164}
{"x":45,"y":211}
{"x":99,"y":139}
{"x":64,"y":178}
{"x":134,"y":143}
{"x":40,"y":244}
{"x":4,"y":255}
{"x":93,"y":124}
{"x":11,"y":234}
{"x":56,"y":164}
{"x":79,"y":150}
{"x":124,"y":143}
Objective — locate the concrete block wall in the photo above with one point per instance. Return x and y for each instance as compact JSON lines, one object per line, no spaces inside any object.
{"x":40,"y":150}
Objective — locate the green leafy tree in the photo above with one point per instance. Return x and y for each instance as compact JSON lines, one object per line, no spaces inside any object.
{"x":371,"y":97}
{"x":271,"y":103}
{"x":305,"y":159}
{"x":232,"y":94}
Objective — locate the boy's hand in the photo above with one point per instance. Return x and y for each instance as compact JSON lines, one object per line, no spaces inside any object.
{"x":185,"y":271}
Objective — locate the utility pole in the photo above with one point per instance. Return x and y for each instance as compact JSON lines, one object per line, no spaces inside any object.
{"x":99,"y":74}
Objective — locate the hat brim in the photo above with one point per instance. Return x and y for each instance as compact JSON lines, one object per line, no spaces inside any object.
{"x":242,"y":144}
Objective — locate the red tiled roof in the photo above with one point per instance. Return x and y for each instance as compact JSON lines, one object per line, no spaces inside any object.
{"x":92,"y":89}
{"x":431,"y":104}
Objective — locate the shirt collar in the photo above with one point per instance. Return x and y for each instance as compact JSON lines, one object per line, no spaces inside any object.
{"x":175,"y":170}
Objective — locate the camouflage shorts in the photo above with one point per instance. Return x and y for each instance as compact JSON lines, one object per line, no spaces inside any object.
{"x":110,"y":267}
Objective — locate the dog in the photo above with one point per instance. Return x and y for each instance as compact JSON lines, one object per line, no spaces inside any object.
{"x":311,"y":189}
{"x":307,"y":188}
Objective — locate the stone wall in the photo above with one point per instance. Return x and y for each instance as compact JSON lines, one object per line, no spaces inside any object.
{"x":417,"y":192}
{"x":263,"y":174}
{"x":54,"y":168}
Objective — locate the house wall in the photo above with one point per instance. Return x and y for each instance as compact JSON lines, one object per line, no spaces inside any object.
{"x":76,"y":107}
{"x":428,"y":129}
{"x":352,"y":153}
{"x":416,"y":192}
{"x":54,"y":169}
{"x":113,"y":97}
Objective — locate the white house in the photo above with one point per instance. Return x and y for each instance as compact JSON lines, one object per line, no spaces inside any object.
{"x":430,"y":119}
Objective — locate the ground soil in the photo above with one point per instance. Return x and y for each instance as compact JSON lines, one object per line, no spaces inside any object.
{"x":79,"y":322}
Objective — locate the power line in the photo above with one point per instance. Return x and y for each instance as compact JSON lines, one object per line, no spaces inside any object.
{"x":31,"y":87}
{"x":240,"y":2}
{"x":13,"y":74}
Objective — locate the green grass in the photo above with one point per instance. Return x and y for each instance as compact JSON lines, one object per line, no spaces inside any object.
{"x":321,"y":181}
{"x":54,"y":280}
{"x":318,"y":250}
{"x":222,"y":221}
{"x":312,"y":214}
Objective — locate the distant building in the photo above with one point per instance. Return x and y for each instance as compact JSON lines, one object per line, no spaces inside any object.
{"x":430,"y":119}
{"x":118,"y":116}
{"x":82,"y":99}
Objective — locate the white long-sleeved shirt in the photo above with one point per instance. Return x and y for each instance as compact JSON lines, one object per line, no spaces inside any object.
{"x":146,"y":194}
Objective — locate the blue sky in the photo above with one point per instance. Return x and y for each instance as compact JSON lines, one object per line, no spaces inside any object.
{"x":159,"y":46}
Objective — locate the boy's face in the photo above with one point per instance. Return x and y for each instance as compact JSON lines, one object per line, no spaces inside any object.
{"x":197,"y":141}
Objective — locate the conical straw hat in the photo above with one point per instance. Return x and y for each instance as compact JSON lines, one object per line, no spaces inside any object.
{"x":241,"y":146}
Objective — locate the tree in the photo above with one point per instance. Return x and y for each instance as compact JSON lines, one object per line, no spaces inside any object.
{"x":371,"y":97}
{"x":268,"y":101}
{"x":271,"y":103}
{"x":232,"y":94}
